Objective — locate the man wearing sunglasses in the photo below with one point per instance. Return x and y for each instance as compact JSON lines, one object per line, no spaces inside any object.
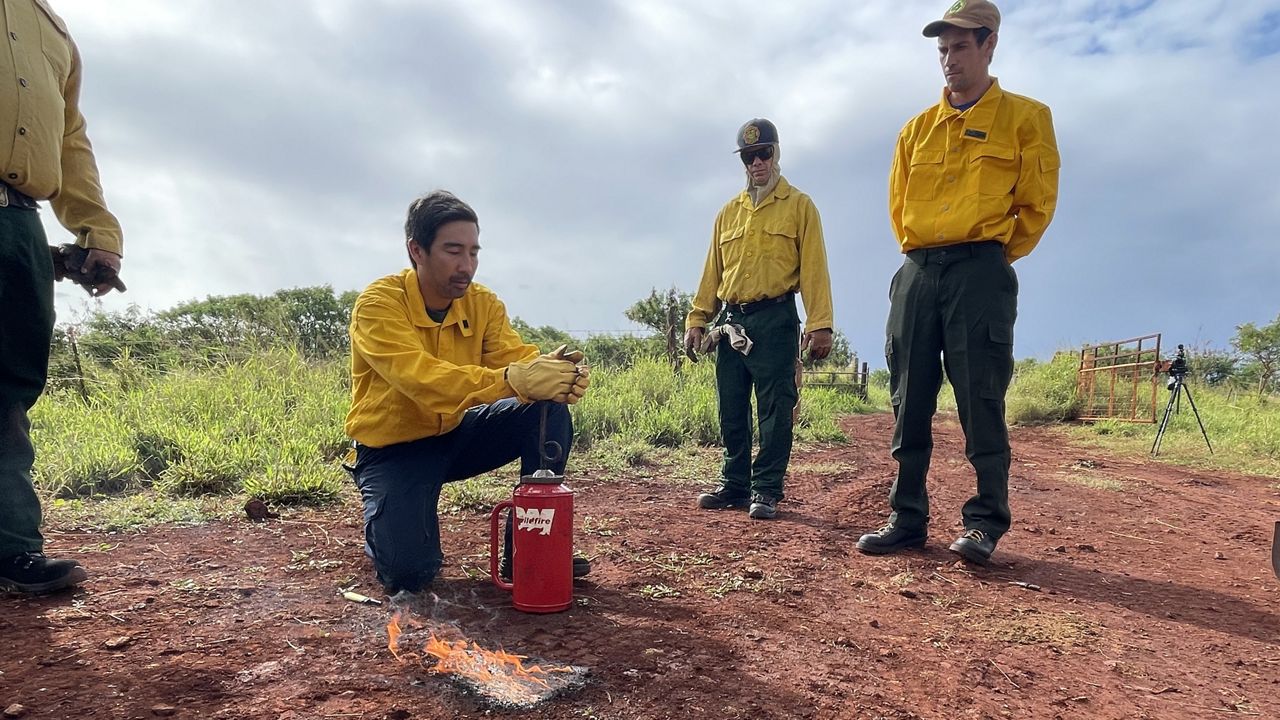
{"x":973,"y":187}
{"x":765,"y":247}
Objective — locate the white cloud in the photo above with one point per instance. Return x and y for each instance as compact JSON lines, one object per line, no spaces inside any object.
{"x":248,"y":146}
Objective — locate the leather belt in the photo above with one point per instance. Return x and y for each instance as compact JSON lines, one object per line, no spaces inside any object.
{"x":758,"y":305}
{"x":16,"y":199}
{"x":950,"y":253}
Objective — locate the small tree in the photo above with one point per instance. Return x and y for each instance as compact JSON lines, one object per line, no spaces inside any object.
{"x":547,"y":338}
{"x":1262,"y":346}
{"x":841,"y":355}
{"x":664,"y":312}
{"x":1214,"y":367}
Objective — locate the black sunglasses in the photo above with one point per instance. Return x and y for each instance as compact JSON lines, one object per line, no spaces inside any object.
{"x":749,"y":156}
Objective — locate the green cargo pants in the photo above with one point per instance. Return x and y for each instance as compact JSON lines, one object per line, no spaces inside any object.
{"x":769,"y":369}
{"x":26,"y":299}
{"x":958,"y":302}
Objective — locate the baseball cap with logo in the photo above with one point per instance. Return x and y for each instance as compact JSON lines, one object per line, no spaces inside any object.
{"x":967,"y":14}
{"x":755,"y":133}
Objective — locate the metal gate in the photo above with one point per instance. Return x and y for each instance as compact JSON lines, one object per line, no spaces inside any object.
{"x":1117,"y":380}
{"x":852,"y":379}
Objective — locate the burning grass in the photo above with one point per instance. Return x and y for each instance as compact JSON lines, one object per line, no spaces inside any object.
{"x":496,"y":676}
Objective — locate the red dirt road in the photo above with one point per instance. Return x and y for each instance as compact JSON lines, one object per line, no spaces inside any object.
{"x":1155,"y":599}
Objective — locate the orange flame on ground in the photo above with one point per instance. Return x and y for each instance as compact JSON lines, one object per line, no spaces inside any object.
{"x":500,"y":673}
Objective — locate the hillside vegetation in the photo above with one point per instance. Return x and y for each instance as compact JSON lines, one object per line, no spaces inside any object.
{"x":246,"y":396}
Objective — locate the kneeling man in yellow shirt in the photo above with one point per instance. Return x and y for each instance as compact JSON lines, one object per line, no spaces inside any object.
{"x":443,"y":389}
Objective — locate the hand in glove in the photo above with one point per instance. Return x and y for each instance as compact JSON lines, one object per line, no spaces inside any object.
{"x":97,"y":271}
{"x":542,"y":378}
{"x":579,"y":387}
{"x":564,"y":353}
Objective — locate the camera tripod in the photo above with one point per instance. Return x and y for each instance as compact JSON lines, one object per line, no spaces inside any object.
{"x":1176,"y":387}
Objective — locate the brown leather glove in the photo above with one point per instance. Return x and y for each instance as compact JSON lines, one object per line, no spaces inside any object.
{"x":68,"y":260}
{"x":564,"y":353}
{"x":580,"y":385}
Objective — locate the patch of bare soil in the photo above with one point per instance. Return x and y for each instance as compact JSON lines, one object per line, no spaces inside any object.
{"x":1126,"y":589}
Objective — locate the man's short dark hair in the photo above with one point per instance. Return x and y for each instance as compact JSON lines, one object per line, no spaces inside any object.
{"x":430,"y":212}
{"x":981,"y":34}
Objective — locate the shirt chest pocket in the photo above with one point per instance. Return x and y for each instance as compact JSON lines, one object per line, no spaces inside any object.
{"x":996,"y":168}
{"x":780,"y":242}
{"x":732,"y":245}
{"x":56,"y":44}
{"x":925,"y":175}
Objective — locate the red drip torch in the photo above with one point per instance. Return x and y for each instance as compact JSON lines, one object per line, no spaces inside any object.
{"x":542,"y":539}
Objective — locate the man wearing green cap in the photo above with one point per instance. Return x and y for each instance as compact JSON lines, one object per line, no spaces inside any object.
{"x":973,"y":187}
{"x":765,"y":247}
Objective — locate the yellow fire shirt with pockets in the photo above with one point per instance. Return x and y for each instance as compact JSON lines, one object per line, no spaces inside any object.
{"x":764,"y":251}
{"x":986,"y":173}
{"x":44,"y":151}
{"x":413,"y":377}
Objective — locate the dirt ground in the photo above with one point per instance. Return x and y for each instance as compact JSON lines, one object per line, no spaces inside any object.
{"x":1126,"y":589}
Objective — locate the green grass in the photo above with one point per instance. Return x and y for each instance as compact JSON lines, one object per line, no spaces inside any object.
{"x":1039,"y":394}
{"x":1245,"y":434}
{"x":137,"y":510}
{"x":647,"y":406}
{"x":154,"y":446}
{"x":187,"y":445}
{"x":269,"y":427}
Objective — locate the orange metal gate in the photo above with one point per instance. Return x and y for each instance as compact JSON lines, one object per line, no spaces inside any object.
{"x":1117,"y":380}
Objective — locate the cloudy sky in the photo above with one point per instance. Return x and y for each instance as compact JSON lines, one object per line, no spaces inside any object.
{"x":250,"y":146}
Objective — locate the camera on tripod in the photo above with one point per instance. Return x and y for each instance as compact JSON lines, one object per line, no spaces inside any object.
{"x":1177,"y":369}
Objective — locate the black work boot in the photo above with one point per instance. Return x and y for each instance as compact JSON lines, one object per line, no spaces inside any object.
{"x":581,"y":567}
{"x":975,"y":546}
{"x":32,"y":572}
{"x":892,"y":538}
{"x":724,"y":498}
{"x":763,"y":507}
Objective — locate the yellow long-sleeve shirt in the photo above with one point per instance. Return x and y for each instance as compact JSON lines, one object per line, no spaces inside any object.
{"x":413,"y":377}
{"x":763,"y":251}
{"x":986,"y":173}
{"x":44,"y":151}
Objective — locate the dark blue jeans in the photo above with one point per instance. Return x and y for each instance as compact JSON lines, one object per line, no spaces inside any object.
{"x":401,"y":483}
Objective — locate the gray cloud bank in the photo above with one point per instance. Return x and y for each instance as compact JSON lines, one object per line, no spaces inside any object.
{"x":252,"y":146}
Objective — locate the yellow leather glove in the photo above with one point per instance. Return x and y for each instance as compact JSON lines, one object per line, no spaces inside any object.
{"x":564,"y":353}
{"x":541,"y":378}
{"x":579,"y":388}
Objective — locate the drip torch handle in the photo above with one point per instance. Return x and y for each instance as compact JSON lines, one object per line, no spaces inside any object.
{"x":495,"y":552}
{"x":549,"y":451}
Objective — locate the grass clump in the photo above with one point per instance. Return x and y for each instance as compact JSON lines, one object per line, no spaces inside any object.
{"x":648,"y":405}
{"x":1095,"y":482}
{"x":136,"y":511}
{"x":1043,"y":393}
{"x":1245,"y":433}
{"x":270,"y":426}
{"x":1029,"y":626}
